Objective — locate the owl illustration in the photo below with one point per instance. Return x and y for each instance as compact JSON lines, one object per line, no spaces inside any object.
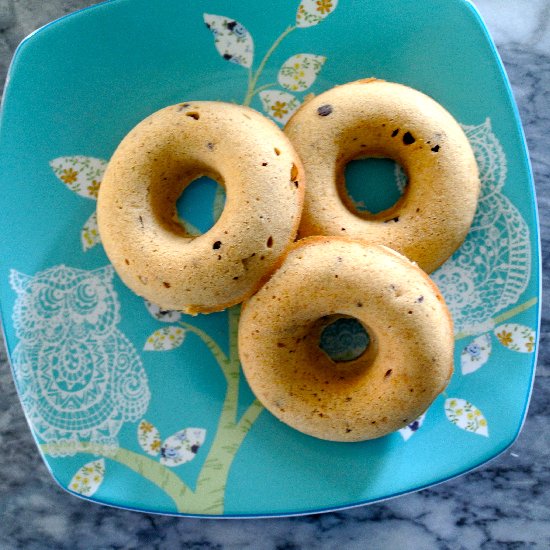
{"x":78,"y":376}
{"x":491,"y":269}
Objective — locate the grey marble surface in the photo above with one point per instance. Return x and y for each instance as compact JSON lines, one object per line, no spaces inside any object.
{"x":505,"y":504}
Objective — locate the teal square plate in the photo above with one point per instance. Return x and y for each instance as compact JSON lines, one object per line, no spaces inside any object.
{"x":143,"y":409}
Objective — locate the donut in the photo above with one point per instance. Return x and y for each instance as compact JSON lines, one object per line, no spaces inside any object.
{"x":374,"y":118}
{"x":138,"y":224}
{"x":408,"y":362}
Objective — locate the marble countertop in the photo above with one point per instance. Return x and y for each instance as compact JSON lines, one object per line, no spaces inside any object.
{"x":504,"y":504}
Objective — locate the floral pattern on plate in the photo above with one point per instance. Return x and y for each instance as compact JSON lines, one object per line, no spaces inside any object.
{"x":516,"y":337}
{"x":466,"y":416}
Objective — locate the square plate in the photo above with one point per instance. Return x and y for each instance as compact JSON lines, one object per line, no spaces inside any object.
{"x":129,"y":406}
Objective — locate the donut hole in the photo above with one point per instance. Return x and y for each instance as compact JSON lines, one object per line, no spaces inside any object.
{"x":199,"y":205}
{"x":344,"y":339}
{"x":372,"y":185}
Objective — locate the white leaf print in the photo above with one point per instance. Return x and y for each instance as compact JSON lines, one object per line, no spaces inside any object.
{"x":89,"y":235}
{"x":80,"y":174}
{"x":165,"y":338}
{"x":475,"y":354}
{"x":163,"y":315}
{"x":149,"y":438}
{"x":219,"y":203}
{"x":87,"y":479}
{"x":279,"y":105}
{"x":233,"y":42}
{"x":516,"y":337}
{"x":299,"y":72}
{"x":191,"y":229}
{"x":466,"y":416}
{"x":312,"y":12}
{"x":400,"y":178}
{"x":408,"y":431}
{"x":182,"y":446}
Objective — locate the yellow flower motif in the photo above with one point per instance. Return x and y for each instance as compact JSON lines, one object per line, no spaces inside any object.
{"x":155,"y":445}
{"x":96,"y":478}
{"x":530,"y":345}
{"x":483,"y":422}
{"x":470,"y":416}
{"x":69,"y":175}
{"x":452,"y":403}
{"x":74,"y":485}
{"x":477,"y":413}
{"x":146,"y":427}
{"x":93,"y":188}
{"x":324,"y":6}
{"x":296,"y":65}
{"x":279,"y":109}
{"x":505,"y":338}
{"x":459,"y":412}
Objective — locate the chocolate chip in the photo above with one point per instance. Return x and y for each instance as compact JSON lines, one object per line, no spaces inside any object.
{"x":388,"y":373}
{"x":210,"y":146}
{"x":217,"y":245}
{"x":435,"y":148}
{"x":193,"y":115}
{"x":420,"y":299}
{"x":324,"y":110}
{"x":394,"y":133}
{"x":408,"y":138}
{"x":166,"y":285}
{"x":227,"y":56}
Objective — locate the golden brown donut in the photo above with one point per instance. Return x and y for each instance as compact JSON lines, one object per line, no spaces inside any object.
{"x":407,"y":364}
{"x":373,"y":118}
{"x":151,"y":251}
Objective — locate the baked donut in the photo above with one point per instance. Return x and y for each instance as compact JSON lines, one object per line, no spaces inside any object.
{"x":373,"y":118}
{"x":408,"y":362}
{"x":138,"y":223}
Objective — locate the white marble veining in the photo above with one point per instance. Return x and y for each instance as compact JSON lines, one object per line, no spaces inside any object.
{"x":505,"y":504}
{"x":513,"y":22}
